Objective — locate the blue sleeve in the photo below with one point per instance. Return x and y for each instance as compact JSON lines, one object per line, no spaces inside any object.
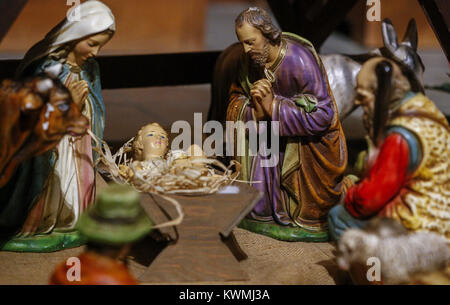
{"x":97,"y":85}
{"x":414,"y":145}
{"x":44,"y":64}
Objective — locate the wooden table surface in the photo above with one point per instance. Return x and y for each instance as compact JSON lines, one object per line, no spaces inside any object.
{"x":204,"y":246}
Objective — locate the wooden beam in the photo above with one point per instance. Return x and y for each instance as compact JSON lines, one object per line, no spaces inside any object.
{"x":438,"y":15}
{"x":311,"y":19}
{"x":9,"y":10}
{"x":328,"y":19}
{"x":135,"y":71}
{"x":285,"y":12}
{"x":8,"y":68}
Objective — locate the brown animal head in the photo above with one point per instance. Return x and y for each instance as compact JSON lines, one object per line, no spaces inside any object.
{"x":35,"y":114}
{"x":60,"y":115}
{"x":19,"y":112}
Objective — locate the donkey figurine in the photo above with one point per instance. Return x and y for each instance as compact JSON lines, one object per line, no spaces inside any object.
{"x":341,"y":69}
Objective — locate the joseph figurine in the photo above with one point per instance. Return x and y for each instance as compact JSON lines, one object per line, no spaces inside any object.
{"x":281,"y":78}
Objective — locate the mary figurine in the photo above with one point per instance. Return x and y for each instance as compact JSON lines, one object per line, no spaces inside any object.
{"x":42,"y":202}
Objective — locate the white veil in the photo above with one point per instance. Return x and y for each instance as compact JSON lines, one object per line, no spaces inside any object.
{"x":93,"y":17}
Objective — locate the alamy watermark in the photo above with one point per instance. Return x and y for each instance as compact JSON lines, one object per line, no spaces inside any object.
{"x":374,"y":10}
{"x":250,"y":138}
{"x":373,"y":274}
{"x":73,"y":273}
{"x":73,"y":13}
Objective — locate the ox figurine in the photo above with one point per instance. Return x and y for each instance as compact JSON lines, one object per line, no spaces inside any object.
{"x":35,"y":114}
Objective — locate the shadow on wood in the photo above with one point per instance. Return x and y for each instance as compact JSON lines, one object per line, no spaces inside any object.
{"x":200,"y":254}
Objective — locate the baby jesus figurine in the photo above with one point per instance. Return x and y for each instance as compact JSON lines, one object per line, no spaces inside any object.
{"x":155,"y":168}
{"x":151,"y":152}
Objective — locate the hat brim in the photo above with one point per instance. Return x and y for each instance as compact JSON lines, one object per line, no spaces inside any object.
{"x":113,"y":233}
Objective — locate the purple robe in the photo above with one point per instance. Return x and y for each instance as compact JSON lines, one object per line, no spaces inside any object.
{"x":307,"y":180}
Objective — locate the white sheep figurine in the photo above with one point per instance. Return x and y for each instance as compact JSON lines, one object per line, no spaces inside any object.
{"x":400,"y":253}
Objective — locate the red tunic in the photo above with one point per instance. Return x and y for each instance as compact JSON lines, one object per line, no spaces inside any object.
{"x":385,"y":180}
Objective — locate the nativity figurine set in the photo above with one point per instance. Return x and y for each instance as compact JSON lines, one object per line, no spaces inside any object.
{"x":52,"y":148}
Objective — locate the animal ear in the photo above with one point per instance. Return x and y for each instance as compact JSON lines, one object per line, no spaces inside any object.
{"x":31,"y":102}
{"x":53,"y":71}
{"x":389,"y":35}
{"x":43,"y":86}
{"x":410,"y":37}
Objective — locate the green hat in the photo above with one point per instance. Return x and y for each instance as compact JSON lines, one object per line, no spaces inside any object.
{"x":116,"y":217}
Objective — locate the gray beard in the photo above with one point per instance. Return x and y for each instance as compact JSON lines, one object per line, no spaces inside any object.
{"x":261,"y":60}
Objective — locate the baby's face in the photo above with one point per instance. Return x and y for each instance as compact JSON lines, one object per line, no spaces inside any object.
{"x":154,"y":141}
